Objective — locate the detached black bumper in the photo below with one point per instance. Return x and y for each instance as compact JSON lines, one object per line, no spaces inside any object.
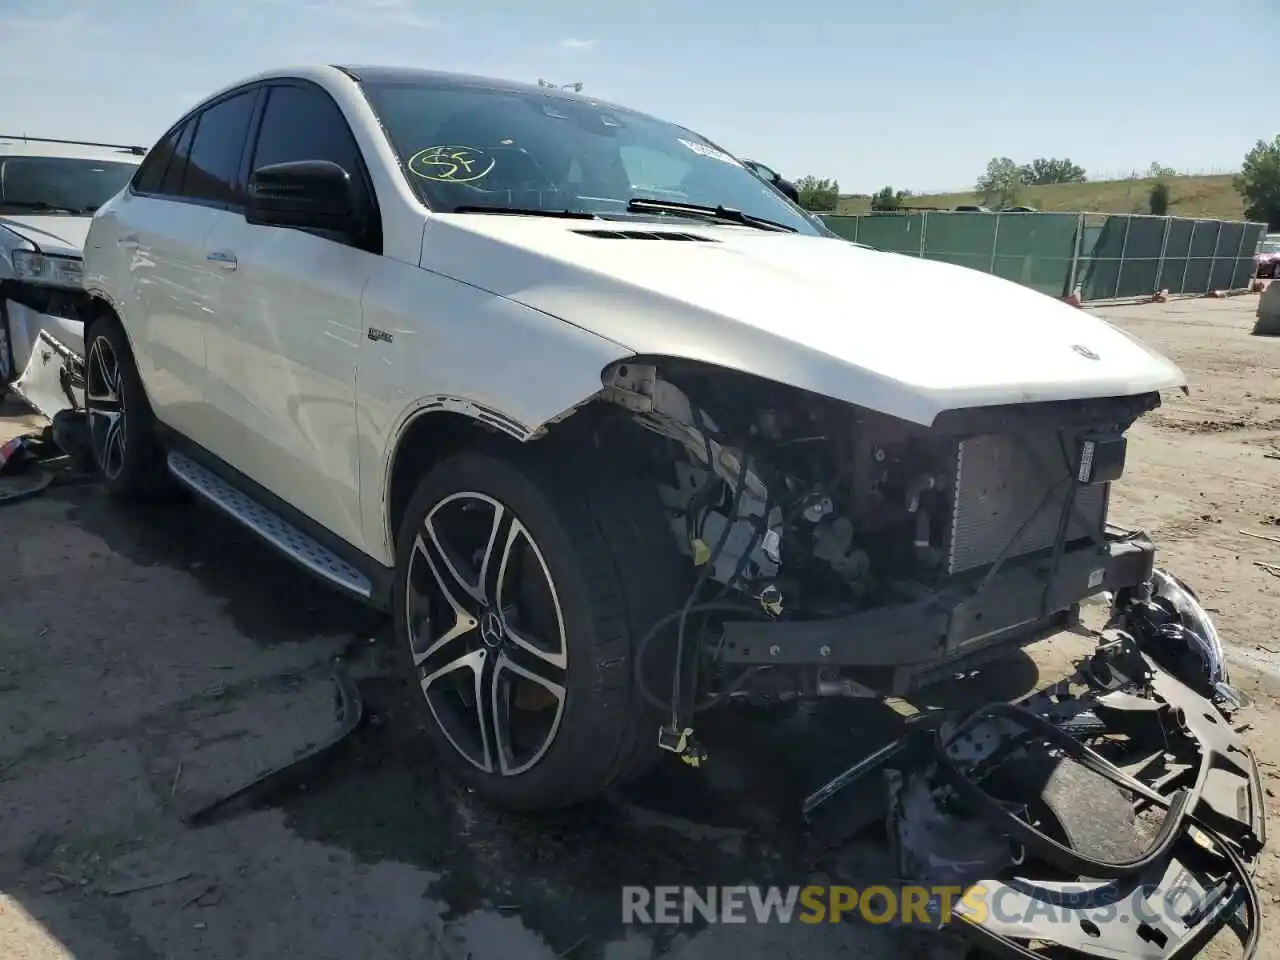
{"x":1026,"y":601}
{"x":1114,"y":815}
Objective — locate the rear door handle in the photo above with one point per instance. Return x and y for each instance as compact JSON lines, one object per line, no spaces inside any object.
{"x":129,"y":243}
{"x":224,"y":258}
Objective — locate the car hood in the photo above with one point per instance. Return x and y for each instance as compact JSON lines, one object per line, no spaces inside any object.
{"x":907,"y":337}
{"x":57,"y":235}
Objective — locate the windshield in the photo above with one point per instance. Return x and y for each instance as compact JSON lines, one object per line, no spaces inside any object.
{"x":472,"y":146}
{"x":59,"y":184}
{"x":1270,"y":245}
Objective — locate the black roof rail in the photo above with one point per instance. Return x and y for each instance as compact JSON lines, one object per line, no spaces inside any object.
{"x":136,"y":151}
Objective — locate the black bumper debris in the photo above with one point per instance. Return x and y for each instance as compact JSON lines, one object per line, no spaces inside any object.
{"x":1115,"y":814}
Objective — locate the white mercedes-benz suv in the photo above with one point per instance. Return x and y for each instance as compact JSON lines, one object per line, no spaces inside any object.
{"x":599,"y":416}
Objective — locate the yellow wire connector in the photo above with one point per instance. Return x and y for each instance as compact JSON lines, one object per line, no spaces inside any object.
{"x":682,"y":744}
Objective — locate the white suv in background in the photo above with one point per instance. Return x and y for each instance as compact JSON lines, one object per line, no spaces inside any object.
{"x":49,"y":191}
{"x":601,"y":417}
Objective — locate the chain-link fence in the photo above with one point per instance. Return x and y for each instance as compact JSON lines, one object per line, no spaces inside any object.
{"x":1100,"y":256}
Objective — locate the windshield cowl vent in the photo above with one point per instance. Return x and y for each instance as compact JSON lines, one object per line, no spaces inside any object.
{"x":644,"y":235}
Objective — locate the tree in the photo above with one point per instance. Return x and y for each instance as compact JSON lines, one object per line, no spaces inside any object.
{"x":1000,"y":185}
{"x":1045,"y":170}
{"x":818,"y":193}
{"x":1158,"y":199}
{"x":1259,"y":183}
{"x":888,"y":199}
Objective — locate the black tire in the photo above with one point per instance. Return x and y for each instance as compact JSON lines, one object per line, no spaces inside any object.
{"x":611,"y":556}
{"x":136,"y":470}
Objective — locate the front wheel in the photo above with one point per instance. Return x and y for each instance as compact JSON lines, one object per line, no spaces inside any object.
{"x":121,"y":426}
{"x":517,"y":617}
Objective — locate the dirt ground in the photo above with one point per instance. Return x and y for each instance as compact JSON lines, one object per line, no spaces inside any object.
{"x":151,"y":656}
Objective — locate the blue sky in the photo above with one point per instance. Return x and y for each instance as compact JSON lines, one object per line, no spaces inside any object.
{"x":914,"y":93}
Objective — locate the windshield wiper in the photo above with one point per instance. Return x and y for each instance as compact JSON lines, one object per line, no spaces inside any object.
{"x":527,"y":212}
{"x":726,"y":214}
{"x":42,"y":206}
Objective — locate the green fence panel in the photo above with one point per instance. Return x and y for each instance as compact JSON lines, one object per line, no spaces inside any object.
{"x":1100,"y":256}
{"x":1140,"y":264}
{"x":1177,"y":248}
{"x":1115,"y":256}
{"x":1245,"y":268}
{"x":965,"y":239}
{"x":894,"y":232}
{"x":846,"y":227}
{"x":1225,"y":255}
{"x":1036,"y":249}
{"x":1204,"y":241}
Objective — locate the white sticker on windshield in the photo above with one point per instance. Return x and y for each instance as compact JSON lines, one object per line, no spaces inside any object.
{"x":705,"y":151}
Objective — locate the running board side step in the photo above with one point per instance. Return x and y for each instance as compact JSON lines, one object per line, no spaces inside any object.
{"x":270,"y":526}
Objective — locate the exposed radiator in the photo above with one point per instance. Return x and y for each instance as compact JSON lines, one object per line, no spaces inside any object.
{"x":1001,"y":481}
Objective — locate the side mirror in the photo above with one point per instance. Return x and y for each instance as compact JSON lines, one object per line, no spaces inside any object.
{"x":789,"y":188}
{"x":785,"y":187}
{"x":306,"y":194}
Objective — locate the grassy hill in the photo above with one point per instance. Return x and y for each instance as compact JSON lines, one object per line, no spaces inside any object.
{"x":1212,"y":197}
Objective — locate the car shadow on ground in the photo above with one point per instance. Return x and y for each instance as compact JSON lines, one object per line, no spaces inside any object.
{"x":383,"y":796}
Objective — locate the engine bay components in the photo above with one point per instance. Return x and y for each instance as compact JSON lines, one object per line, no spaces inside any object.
{"x":837,"y":551}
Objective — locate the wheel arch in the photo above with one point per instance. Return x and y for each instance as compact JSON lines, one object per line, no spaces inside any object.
{"x":442,"y":426}
{"x":101,"y":307}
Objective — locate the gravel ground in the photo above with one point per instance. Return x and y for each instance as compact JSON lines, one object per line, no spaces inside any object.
{"x":150,"y":656}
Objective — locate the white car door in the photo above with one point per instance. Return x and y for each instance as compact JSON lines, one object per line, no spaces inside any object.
{"x":164,"y":299}
{"x":208,"y":193}
{"x":282,"y":352}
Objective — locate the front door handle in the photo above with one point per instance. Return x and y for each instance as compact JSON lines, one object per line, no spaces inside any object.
{"x":223,"y":258}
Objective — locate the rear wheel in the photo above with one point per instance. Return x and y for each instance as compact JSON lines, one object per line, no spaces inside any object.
{"x":121,"y":426}
{"x":522,"y":585}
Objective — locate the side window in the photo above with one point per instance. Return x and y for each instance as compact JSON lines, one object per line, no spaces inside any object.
{"x":214,"y":165}
{"x":171,"y":185}
{"x":151,"y":171}
{"x":303,"y":123}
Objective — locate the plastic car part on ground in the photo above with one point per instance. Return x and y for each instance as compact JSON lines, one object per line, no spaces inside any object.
{"x":307,"y":719}
{"x":20,"y":476}
{"x":1114,"y":814}
{"x":57,"y":455}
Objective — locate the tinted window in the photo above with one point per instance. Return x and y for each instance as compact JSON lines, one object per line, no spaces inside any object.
{"x":303,"y":123}
{"x":473,"y":145}
{"x":151,"y":173}
{"x":171,"y":185}
{"x":214,"y":167}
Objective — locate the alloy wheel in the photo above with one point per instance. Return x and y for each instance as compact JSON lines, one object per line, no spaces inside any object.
{"x":486,"y":633}
{"x":104,"y":402}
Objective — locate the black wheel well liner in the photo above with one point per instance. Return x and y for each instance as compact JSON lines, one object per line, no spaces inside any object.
{"x":433,"y":435}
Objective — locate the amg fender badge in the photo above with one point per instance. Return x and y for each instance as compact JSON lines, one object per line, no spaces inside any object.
{"x":1078,"y":348}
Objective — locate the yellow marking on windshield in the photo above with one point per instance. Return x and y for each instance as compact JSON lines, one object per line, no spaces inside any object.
{"x":451,"y":164}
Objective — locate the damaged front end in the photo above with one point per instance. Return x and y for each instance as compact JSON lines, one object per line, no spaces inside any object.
{"x":843,"y":552}
{"x":42,"y":346}
{"x":1114,"y":814}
